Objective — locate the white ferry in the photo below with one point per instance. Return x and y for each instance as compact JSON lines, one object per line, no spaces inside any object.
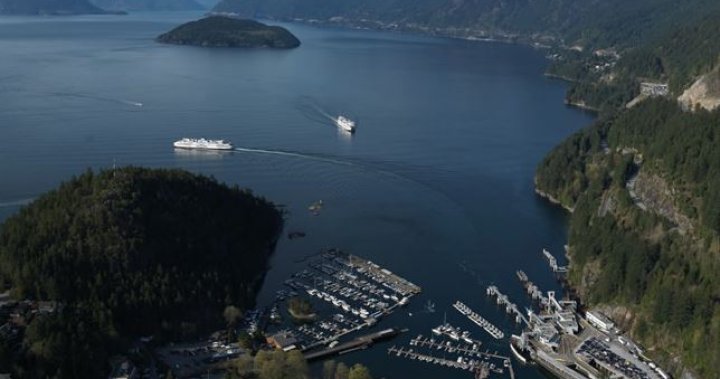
{"x":203,"y":144}
{"x":345,"y":124}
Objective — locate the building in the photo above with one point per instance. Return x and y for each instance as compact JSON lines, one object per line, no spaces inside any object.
{"x":654,"y":89}
{"x":283,"y":340}
{"x":599,"y":320}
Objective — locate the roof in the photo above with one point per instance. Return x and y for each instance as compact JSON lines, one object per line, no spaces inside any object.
{"x":283,"y":339}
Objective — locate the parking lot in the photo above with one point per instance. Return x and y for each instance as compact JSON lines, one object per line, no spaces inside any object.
{"x":614,"y":358}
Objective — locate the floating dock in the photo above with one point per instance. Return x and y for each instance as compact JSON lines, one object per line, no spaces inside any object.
{"x":493,"y":330}
{"x":448,"y":347}
{"x":481,"y":369}
{"x":553,"y":263}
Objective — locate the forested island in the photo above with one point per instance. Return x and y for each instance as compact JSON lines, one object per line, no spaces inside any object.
{"x":220,"y":31}
{"x":130,"y":252}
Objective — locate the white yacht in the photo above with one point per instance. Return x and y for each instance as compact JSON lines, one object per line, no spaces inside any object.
{"x":203,"y":144}
{"x":345,"y":124}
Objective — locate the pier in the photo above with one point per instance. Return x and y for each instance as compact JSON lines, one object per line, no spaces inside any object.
{"x":510,"y":307}
{"x":532,"y":289}
{"x":493,"y":330}
{"x":553,"y":263}
{"x":481,"y":369}
{"x":362,"y":342}
{"x":449,"y":347}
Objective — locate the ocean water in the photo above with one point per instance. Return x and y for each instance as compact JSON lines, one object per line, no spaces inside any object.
{"x":436,"y":185}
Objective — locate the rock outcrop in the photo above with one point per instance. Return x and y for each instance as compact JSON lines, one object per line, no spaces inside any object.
{"x":704,"y":93}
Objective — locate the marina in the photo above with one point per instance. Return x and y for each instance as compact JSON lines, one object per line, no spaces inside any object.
{"x":350,"y":293}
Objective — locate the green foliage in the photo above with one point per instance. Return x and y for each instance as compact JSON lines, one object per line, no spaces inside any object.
{"x":562,"y":173}
{"x":359,"y":371}
{"x":329,"y":368}
{"x":342,"y":371}
{"x":677,"y":53}
{"x":277,"y":364}
{"x":630,"y":256}
{"x":132,"y":252}
{"x":218,"y":31}
{"x":680,"y":55}
{"x":300,"y":307}
{"x":587,"y":22}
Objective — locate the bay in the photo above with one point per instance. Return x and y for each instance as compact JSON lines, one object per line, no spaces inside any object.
{"x":436,"y":185}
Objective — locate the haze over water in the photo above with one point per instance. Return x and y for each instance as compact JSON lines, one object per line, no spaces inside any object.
{"x":436,"y":184}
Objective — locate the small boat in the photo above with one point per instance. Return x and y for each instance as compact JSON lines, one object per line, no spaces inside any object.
{"x":316,"y":207}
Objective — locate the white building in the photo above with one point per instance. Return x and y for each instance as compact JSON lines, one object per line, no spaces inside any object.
{"x":654,"y":89}
{"x":599,"y":320}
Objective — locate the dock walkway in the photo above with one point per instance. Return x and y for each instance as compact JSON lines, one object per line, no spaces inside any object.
{"x":504,"y":300}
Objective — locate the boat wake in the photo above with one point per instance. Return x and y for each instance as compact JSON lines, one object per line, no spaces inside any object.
{"x":293,"y":154}
{"x":312,"y":110}
{"x":133,"y":103}
{"x":98,"y":98}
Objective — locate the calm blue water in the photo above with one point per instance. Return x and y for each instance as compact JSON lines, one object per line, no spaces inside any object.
{"x":438,"y":176}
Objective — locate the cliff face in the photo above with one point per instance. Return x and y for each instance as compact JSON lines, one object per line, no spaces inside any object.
{"x":704,"y":93}
{"x":652,"y":193}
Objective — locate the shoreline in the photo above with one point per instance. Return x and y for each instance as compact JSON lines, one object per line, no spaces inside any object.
{"x":581,"y":105}
{"x":553,"y":200}
{"x":464,"y":34}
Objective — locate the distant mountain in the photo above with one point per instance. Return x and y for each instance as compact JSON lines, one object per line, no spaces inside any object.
{"x":218,"y":31}
{"x":586,"y":22}
{"x":149,"y":5}
{"x":207,"y":4}
{"x":48,"y":7}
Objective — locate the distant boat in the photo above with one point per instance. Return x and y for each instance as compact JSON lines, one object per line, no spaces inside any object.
{"x":345,"y":124}
{"x":316,"y":207}
{"x":203,"y":144}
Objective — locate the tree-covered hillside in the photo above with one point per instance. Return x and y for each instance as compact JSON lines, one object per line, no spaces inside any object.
{"x":661,"y":165}
{"x":132,"y":252}
{"x":587,"y":22}
{"x":677,"y":56}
